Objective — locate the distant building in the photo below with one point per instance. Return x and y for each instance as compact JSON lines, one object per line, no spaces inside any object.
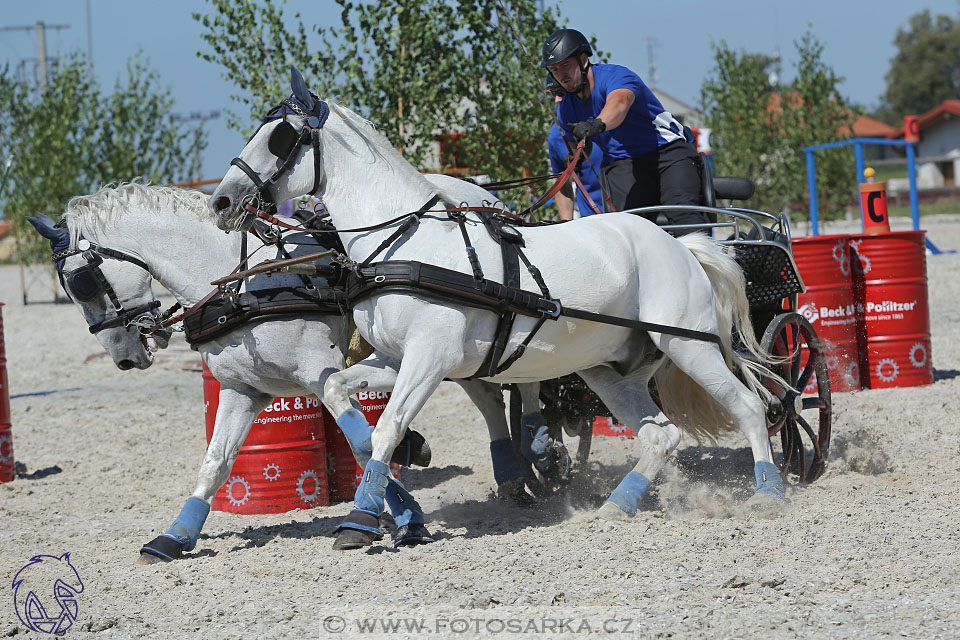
{"x":938,"y":151}
{"x":682,"y":111}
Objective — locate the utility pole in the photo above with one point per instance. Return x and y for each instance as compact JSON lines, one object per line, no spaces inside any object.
{"x":200,"y":118}
{"x":89,"y":36}
{"x":652,"y":77}
{"x":41,"y":30}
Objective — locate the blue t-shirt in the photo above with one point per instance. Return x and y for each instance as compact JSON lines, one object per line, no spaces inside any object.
{"x":647,"y":127}
{"x":558,"y":152}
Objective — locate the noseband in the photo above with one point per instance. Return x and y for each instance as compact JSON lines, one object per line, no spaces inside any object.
{"x":88,"y":282}
{"x":285,"y":142}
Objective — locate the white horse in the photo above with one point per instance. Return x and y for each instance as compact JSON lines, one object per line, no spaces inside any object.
{"x":616,"y":264}
{"x":137,"y":233}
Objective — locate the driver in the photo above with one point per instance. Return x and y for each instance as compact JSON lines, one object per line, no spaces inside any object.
{"x":648,"y":157}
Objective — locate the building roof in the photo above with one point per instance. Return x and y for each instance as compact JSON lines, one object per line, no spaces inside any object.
{"x":943,"y":111}
{"x":867,"y":127}
{"x":689,"y":115}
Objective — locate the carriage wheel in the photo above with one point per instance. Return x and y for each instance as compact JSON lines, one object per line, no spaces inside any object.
{"x":800,"y":416}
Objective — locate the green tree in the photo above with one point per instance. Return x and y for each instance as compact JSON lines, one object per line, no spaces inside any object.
{"x":69,"y":140}
{"x":761,"y":130}
{"x":416,"y":69}
{"x":926,"y":68}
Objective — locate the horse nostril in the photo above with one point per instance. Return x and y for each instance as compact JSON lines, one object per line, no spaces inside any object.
{"x":125,"y":364}
{"x":223,"y":203}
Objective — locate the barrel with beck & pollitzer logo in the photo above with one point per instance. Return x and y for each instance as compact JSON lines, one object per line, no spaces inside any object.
{"x":890,"y":287}
{"x":824,"y":263}
{"x":282,"y":465}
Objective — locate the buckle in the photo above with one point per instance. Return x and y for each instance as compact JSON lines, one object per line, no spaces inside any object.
{"x":557,"y":308}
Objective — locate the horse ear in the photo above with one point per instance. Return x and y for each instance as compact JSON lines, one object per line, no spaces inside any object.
{"x":44,"y":224}
{"x":299,"y":88}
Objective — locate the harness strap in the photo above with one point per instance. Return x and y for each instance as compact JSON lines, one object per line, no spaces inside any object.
{"x":639,"y":324}
{"x":402,"y":229}
{"x":445,"y":285}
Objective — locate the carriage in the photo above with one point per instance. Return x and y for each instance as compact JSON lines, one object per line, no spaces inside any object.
{"x":799,"y":417}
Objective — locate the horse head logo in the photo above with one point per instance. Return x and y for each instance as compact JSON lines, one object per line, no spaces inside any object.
{"x":45,"y":594}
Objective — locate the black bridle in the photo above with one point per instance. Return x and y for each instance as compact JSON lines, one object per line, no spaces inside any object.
{"x":285,"y":142}
{"x":88,"y":282}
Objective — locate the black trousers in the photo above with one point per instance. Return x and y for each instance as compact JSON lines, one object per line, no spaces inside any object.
{"x":669,"y":175}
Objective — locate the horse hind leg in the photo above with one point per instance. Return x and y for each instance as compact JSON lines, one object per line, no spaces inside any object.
{"x":704,"y":363}
{"x":547,"y":454}
{"x":508,"y":471}
{"x":630,"y":402}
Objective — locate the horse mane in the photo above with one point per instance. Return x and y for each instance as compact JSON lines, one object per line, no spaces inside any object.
{"x":85,"y":213}
{"x":381,"y":146}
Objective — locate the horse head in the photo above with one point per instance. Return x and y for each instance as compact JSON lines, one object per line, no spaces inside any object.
{"x":282,"y":160}
{"x":112,"y":291}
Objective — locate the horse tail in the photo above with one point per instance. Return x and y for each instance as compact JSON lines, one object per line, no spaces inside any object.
{"x":684,"y":400}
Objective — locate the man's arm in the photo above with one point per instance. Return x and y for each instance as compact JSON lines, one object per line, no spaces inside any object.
{"x":614,"y":112}
{"x":564,"y":200}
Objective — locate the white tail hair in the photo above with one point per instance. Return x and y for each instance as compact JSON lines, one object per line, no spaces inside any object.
{"x":686,"y":402}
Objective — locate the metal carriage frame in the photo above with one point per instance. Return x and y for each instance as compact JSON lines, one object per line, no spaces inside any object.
{"x":799,"y":418}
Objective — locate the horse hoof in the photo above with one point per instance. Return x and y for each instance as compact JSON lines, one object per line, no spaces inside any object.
{"x":388,"y":525}
{"x":147,"y":558}
{"x":558,"y":473}
{"x":516,"y":491}
{"x":411,"y":535}
{"x":767,"y":504}
{"x":612,"y":512}
{"x":160,"y":549}
{"x":412,"y":450}
{"x":348,"y":539}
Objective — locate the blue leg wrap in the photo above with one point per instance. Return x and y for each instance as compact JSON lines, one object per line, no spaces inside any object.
{"x":372,"y":490}
{"x":506,"y":467}
{"x":535,"y":438}
{"x":769,"y":481}
{"x":186,"y":528}
{"x":354,"y":426}
{"x":630,"y":492}
{"x":405,"y":509}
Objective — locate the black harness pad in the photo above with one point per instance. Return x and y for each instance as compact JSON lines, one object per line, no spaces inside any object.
{"x":222,"y":315}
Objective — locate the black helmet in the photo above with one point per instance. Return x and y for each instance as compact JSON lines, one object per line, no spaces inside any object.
{"x":562,"y":44}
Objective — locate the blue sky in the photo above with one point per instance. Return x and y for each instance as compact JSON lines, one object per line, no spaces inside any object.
{"x":858,"y":38}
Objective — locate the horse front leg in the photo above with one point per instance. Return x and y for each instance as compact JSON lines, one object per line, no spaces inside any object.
{"x":374,"y":373}
{"x":424,"y":367}
{"x":236,"y":412}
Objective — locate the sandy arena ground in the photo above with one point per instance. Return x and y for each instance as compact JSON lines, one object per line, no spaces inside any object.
{"x":870,"y":550}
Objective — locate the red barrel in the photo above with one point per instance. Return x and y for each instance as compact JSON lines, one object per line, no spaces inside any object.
{"x":282,"y":464}
{"x":6,"y":433}
{"x":890,"y":284}
{"x":828,"y":304}
{"x":344,"y":472}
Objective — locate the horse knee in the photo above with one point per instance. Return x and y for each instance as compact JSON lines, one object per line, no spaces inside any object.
{"x":336,"y":395}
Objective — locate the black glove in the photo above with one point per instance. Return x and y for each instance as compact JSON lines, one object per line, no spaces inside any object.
{"x":587,"y":150}
{"x":588,"y":128}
